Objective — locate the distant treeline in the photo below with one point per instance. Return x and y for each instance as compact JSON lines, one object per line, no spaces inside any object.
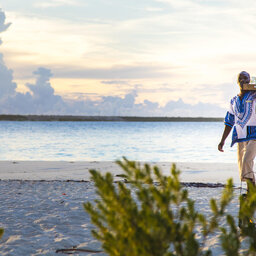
{"x":106,"y":118}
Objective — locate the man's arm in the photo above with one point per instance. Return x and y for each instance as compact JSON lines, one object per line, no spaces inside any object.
{"x":225,"y":134}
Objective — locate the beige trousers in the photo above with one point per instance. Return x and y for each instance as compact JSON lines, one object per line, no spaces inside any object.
{"x":246,"y":152}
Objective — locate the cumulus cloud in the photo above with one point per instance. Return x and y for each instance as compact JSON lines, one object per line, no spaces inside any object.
{"x":3,"y":26}
{"x":180,"y":108}
{"x":41,"y":98}
{"x":7,"y":86}
{"x":42,"y":86}
{"x":127,"y":106}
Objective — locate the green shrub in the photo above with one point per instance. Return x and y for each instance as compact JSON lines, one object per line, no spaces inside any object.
{"x":155,"y":216}
{"x":1,"y":232}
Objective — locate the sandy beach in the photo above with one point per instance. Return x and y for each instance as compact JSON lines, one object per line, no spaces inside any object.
{"x":41,"y":202}
{"x":77,"y":171}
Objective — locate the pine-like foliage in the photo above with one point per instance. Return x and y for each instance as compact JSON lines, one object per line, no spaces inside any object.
{"x":1,"y":232}
{"x":153,"y":215}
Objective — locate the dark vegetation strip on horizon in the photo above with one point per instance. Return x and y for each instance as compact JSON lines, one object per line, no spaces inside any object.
{"x":106,"y":118}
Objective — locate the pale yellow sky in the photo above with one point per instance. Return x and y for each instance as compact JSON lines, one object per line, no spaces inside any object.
{"x":163,"y":49}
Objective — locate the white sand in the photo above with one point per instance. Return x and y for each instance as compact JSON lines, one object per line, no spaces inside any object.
{"x":41,"y":217}
{"x":62,"y":170}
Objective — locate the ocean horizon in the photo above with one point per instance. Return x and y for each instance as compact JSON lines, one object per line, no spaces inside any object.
{"x":7,"y":117}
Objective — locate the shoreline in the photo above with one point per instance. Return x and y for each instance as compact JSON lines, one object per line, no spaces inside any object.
{"x":78,"y":171}
{"x":184,"y":184}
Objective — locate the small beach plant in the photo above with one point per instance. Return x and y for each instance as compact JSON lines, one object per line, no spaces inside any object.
{"x":247,"y":218}
{"x":1,"y":232}
{"x":152,"y":215}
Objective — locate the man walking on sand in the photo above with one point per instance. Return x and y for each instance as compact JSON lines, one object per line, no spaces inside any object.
{"x":242,"y":118}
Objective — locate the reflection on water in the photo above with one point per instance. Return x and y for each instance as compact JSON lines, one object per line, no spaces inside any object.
{"x":103,"y":141}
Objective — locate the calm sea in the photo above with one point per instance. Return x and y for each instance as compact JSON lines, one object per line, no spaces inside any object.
{"x":104,"y":141}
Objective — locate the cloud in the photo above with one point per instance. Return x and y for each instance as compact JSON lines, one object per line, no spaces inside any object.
{"x":179,"y":108}
{"x":55,"y":3}
{"x":181,"y":4}
{"x":3,"y":26}
{"x":115,"y":82}
{"x":7,"y":86}
{"x":42,"y":99}
{"x":42,"y":86}
{"x":153,"y":9}
{"x":136,"y":71}
{"x":222,"y":93}
{"x":177,"y":34}
{"x":127,"y":106}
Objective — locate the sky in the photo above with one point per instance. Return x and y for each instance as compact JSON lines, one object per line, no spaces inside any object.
{"x":119,"y":57}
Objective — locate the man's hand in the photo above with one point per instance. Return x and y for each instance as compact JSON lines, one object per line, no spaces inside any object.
{"x":224,"y":136}
{"x":220,"y":146}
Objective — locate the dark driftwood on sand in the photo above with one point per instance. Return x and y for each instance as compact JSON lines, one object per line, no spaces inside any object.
{"x":77,"y":250}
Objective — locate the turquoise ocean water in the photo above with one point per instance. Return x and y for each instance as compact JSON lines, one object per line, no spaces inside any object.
{"x":108,"y":141}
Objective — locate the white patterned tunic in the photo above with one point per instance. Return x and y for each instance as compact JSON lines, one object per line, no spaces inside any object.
{"x":242,"y":117}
